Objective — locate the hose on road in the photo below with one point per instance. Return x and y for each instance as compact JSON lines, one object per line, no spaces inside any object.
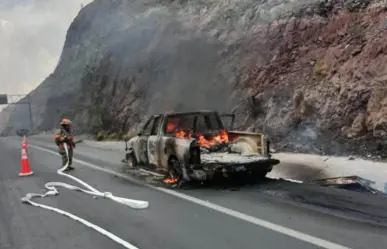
{"x":52,"y":191}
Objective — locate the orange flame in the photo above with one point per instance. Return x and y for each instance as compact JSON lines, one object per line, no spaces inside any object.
{"x":171,"y":180}
{"x":221,"y":137}
{"x":172,"y":125}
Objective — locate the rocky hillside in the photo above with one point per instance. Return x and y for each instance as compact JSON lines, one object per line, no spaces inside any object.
{"x":310,"y":73}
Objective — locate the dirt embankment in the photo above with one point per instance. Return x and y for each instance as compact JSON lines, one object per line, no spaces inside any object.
{"x":324,"y":82}
{"x":311,"y":74}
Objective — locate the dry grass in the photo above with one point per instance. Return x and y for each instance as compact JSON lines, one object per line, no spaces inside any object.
{"x":320,"y":69}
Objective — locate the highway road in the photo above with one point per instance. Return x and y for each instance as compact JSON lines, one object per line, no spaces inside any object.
{"x":276,"y":214}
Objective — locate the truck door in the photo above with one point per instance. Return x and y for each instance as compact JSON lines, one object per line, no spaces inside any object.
{"x":143,"y":142}
{"x":154,"y":142}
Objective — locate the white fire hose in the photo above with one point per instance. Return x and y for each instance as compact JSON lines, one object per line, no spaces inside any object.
{"x":51,"y":186}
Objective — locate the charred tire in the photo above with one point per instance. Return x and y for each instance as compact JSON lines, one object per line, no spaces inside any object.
{"x":131,"y":160}
{"x":174,"y":169}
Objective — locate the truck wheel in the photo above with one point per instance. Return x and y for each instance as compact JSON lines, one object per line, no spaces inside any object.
{"x":131,"y":160}
{"x":174,"y":174}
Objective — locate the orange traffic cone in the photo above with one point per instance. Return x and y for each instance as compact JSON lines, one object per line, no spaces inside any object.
{"x":25,"y":164}
{"x":25,"y":144}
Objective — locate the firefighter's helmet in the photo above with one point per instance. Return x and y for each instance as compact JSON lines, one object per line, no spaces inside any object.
{"x":65,"y":121}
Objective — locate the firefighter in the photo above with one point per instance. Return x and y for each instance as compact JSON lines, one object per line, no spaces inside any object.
{"x":64,"y":136}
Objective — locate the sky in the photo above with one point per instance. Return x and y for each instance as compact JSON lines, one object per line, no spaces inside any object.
{"x":32,"y":34}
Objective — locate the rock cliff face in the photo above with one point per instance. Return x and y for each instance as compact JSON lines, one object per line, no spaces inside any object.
{"x":311,"y":74}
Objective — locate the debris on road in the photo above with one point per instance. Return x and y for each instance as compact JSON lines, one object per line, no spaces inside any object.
{"x":353,"y":183}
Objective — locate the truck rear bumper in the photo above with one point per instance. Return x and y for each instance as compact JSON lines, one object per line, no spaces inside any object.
{"x":203,"y":172}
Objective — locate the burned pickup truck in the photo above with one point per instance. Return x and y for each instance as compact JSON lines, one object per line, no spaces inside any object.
{"x":197,"y":146}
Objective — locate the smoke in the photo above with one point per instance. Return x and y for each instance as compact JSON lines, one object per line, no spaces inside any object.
{"x":32,"y":33}
{"x":175,"y":68}
{"x":178,"y":56}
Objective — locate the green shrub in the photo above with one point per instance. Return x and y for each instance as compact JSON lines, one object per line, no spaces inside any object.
{"x":114,"y":136}
{"x":129,"y":135}
{"x":102,"y":135}
{"x":121,"y":135}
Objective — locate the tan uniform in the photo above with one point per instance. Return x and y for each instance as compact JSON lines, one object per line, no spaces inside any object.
{"x":60,"y":138}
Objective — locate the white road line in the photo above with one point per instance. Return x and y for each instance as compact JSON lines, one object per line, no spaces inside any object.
{"x":151,"y":173}
{"x":248,"y":218}
{"x":285,"y":179}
